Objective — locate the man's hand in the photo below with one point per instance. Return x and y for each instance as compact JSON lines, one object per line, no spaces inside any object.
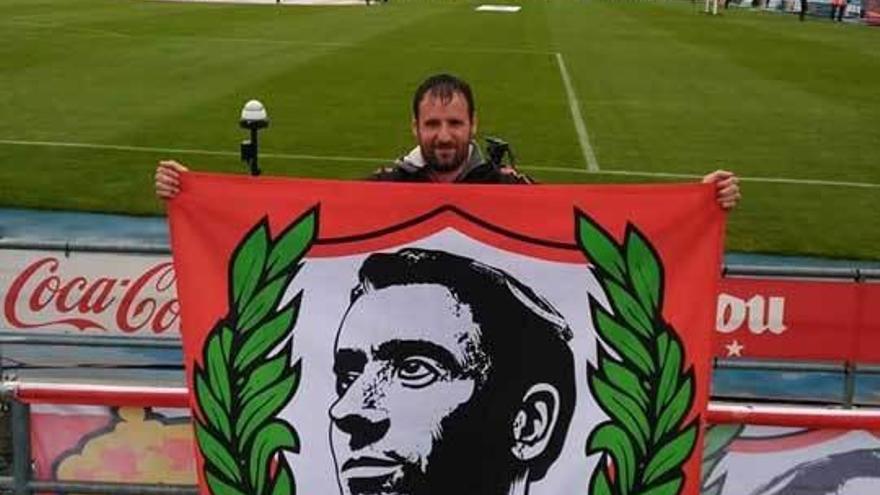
{"x":512,"y":172}
{"x":726,"y":188}
{"x":168,"y":179}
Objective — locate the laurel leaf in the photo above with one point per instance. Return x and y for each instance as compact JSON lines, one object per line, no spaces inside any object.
{"x":624,"y":342}
{"x":623,"y":379}
{"x":631,"y":379}
{"x":707,"y":466}
{"x":211,"y":408}
{"x":670,"y":366}
{"x":247,"y":265}
{"x":716,"y":487}
{"x":600,"y":248}
{"x":671,"y":455}
{"x":622,"y":408}
{"x":216,"y":358}
{"x":644,"y":270}
{"x":266,"y":300}
{"x":219,"y":486}
{"x":719,"y":437}
{"x":670,"y":487}
{"x":273,"y":437}
{"x":628,"y":309}
{"x":611,"y":438}
{"x":265,"y":375}
{"x":716,"y":440}
{"x":292,"y":244}
{"x":283,"y":483}
{"x":216,"y":454}
{"x":264,"y":405}
{"x":674,"y":413}
{"x":599,"y":484}
{"x":266,"y":337}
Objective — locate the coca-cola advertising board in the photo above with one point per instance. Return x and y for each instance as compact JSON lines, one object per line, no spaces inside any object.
{"x":50,"y":292}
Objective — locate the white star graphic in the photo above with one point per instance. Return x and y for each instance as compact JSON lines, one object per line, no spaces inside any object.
{"x":734,"y":348}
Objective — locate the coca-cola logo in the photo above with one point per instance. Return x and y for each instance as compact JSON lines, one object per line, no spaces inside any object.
{"x":41,"y":297}
{"x":760,"y":314}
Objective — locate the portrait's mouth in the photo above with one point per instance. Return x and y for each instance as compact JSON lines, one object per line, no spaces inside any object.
{"x":371,"y":475}
{"x":369,"y":467}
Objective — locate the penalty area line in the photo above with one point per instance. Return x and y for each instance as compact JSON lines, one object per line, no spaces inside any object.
{"x":674,"y":175}
{"x":187,"y":151}
{"x":579,"y":126}
{"x":294,"y":156}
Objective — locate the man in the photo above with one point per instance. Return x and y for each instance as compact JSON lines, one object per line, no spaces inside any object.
{"x":444,"y":124}
{"x":439,"y":384}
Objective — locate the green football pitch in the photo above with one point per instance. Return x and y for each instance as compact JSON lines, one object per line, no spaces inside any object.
{"x":94,"y":92}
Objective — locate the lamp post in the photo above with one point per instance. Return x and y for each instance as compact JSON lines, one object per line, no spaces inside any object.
{"x":253,"y":118}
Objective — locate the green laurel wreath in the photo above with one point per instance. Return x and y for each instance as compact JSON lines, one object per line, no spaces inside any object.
{"x":639,"y":380}
{"x":246,"y":376}
{"x":715,"y":446}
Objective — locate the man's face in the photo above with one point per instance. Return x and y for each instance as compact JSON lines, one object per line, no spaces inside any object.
{"x":444,"y":130}
{"x":406,"y":358}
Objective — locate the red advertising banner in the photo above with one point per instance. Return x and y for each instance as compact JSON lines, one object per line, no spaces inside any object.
{"x":50,"y":293}
{"x":352,"y":337}
{"x":798,"y":319}
{"x":868,"y":303}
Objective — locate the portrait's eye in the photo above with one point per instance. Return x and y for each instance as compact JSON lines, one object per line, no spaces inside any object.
{"x":417,"y":372}
{"x":344,"y":380}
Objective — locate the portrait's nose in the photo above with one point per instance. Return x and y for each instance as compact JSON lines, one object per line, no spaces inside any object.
{"x":364,"y":426}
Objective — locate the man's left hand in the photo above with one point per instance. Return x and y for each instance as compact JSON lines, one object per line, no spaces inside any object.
{"x":726,"y":188}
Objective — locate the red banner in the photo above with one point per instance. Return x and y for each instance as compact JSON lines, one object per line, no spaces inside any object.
{"x":798,"y":319}
{"x":451,"y":339}
{"x":44,"y":292}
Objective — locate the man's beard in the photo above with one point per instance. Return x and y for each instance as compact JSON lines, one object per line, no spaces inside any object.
{"x":434,"y":164}
{"x":471,"y":457}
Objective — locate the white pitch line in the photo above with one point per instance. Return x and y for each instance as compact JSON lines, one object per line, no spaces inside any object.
{"x":579,"y":126}
{"x":673,"y":175}
{"x":578,"y":171}
{"x":189,"y":151}
{"x":310,"y":44}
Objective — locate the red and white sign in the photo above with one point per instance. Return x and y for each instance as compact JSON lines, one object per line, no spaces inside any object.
{"x":795,"y":319}
{"x":46,"y":292}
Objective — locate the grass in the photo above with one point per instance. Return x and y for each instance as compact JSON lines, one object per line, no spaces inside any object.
{"x":662,"y":89}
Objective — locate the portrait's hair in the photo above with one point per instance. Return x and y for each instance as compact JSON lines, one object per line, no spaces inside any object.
{"x":444,"y":87}
{"x":523,"y":336}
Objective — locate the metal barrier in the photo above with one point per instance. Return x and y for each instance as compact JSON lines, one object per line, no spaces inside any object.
{"x":20,"y":395}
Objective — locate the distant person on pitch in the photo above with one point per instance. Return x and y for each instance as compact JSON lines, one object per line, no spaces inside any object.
{"x":838,"y":7}
{"x":444,"y":124}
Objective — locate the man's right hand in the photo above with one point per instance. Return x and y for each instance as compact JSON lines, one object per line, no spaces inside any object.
{"x":168,"y":179}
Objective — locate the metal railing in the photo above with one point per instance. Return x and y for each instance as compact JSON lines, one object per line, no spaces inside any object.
{"x":21,"y":481}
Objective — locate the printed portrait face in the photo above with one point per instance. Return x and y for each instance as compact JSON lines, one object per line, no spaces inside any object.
{"x":397,"y":379}
{"x":433,"y":394}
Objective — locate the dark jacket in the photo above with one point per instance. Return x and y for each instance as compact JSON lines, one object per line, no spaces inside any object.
{"x":412,"y":168}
